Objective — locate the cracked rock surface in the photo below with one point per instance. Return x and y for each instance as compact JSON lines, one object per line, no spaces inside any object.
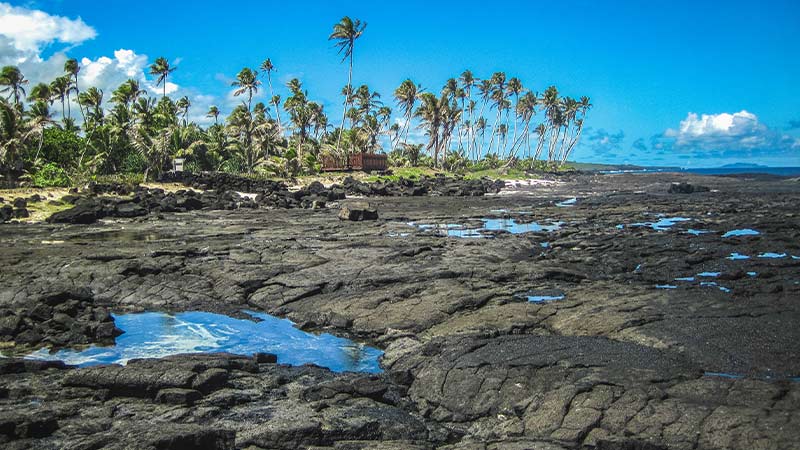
{"x":666,"y":336}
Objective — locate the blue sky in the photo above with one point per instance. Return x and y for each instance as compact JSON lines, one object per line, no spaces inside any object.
{"x":673,"y":82}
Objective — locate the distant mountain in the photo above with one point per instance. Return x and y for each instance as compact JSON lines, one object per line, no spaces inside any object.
{"x":743,"y":166}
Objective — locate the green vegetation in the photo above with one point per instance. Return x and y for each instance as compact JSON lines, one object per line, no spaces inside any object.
{"x":472,"y":127}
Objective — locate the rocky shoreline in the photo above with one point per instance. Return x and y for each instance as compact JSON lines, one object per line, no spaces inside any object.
{"x":634,"y":356}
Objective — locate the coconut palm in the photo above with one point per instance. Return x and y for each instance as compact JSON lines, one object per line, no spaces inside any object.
{"x":345,"y":34}
{"x":40,"y":92}
{"x":162,"y":68}
{"x":92,"y":100}
{"x":467,"y":81}
{"x":485,"y":89}
{"x":12,"y":81}
{"x":514,"y":88}
{"x":72,"y":69}
{"x":525,"y":110}
{"x":500,"y":102}
{"x":541,"y":131}
{"x":39,"y":118}
{"x":13,"y":135}
{"x":246,"y":81}
{"x":406,"y":96}
{"x":127,"y":93}
{"x":267,"y":68}
{"x":480,"y":127}
{"x":213,"y":111}
{"x":438,"y":117}
{"x":59,"y":89}
{"x":183,"y":105}
{"x":583,"y":107}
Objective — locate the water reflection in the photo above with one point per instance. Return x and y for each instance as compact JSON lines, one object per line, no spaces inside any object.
{"x":155,"y":335}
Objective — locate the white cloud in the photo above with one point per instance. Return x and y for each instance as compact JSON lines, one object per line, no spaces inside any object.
{"x":27,"y":32}
{"x":728,"y":132}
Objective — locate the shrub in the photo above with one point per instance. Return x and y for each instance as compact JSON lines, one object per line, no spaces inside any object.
{"x":60,"y":146}
{"x":50,"y":175}
{"x":134,"y":162}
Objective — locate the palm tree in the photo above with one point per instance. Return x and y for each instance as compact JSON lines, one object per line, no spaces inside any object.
{"x":514,"y":88}
{"x":246,"y":81}
{"x":127,"y":93}
{"x":162,"y":68}
{"x":13,"y":135}
{"x":183,"y":105}
{"x":72,"y":68}
{"x":552,"y":109}
{"x":583,"y":107}
{"x":541,"y":131}
{"x":498,"y":95}
{"x":39,"y":118}
{"x":59,"y":89}
{"x":485,"y":89}
{"x":429,"y":114}
{"x":213,"y":111}
{"x":406,"y":96}
{"x":467,"y":81}
{"x":345,"y":33}
{"x":41,"y":92}
{"x":92,"y":100}
{"x":12,"y":81}
{"x":267,"y":67}
{"x":526,"y":109}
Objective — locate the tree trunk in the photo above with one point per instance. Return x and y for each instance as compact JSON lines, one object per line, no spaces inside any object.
{"x":346,"y":102}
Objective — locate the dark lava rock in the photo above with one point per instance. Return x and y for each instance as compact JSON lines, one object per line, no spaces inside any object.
{"x":86,"y":211}
{"x":686,"y":188}
{"x":57,"y":319}
{"x":21,"y":213}
{"x":358,"y":211}
{"x":129,"y":210}
{"x":6,"y":213}
{"x":178,"y":396}
{"x":20,"y":203}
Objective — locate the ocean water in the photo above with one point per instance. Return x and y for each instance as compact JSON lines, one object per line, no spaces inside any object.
{"x":780,"y":171}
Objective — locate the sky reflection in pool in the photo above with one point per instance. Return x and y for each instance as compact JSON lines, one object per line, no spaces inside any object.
{"x":713,"y":284}
{"x":696,"y":232}
{"x":567,"y":203}
{"x":509,"y":225}
{"x":155,"y":335}
{"x":544,"y":298}
{"x":772,"y":255}
{"x":666,"y":286}
{"x":663,"y":224}
{"x":737,"y":256}
{"x":742,"y":232}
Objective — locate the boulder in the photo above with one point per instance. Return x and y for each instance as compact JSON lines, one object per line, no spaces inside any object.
{"x":6,"y":213}
{"x":178,"y":396}
{"x":20,"y":203}
{"x":358,"y":211}
{"x":129,"y":209}
{"x":686,"y":188}
{"x":86,"y":211}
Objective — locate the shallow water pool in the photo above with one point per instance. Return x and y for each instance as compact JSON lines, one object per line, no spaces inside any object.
{"x":155,"y":335}
{"x":742,"y":232}
{"x":663,"y":224}
{"x":509,"y":225}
